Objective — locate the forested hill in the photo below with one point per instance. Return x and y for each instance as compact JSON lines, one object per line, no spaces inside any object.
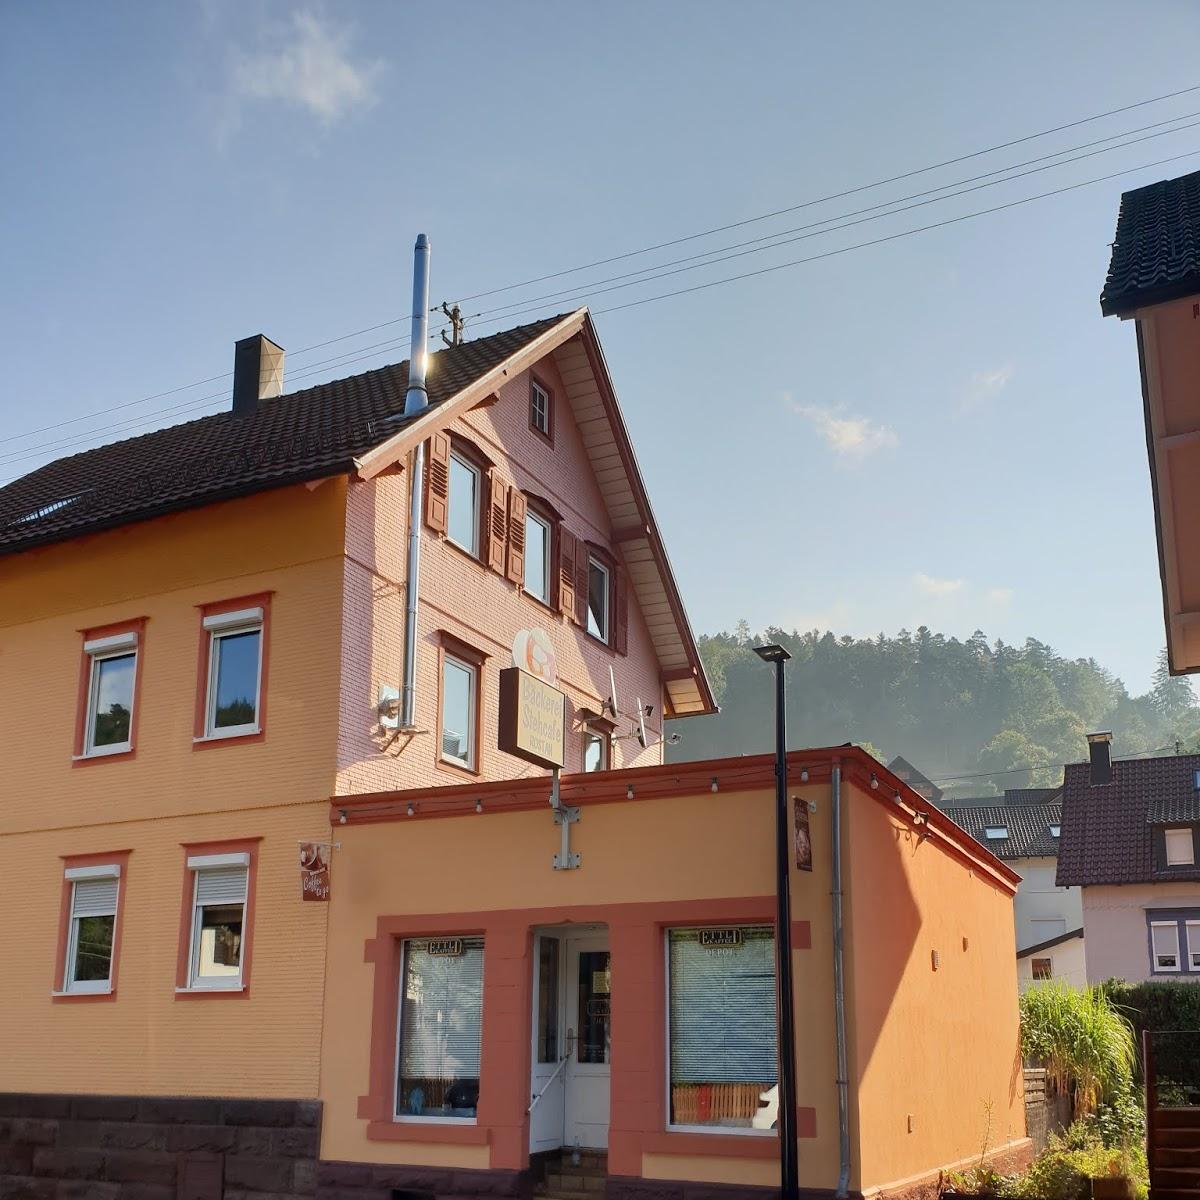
{"x":952,"y":708}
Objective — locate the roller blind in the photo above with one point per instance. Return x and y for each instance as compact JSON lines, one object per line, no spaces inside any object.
{"x":94,"y":898}
{"x":722,"y":1009}
{"x":225,"y":885}
{"x":443,"y":1012}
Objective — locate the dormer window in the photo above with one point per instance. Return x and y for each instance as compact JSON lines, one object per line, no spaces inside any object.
{"x":1196,"y":780}
{"x":996,"y":833}
{"x":1181,"y":850}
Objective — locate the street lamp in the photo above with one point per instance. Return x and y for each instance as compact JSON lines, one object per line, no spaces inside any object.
{"x":785,"y":1012}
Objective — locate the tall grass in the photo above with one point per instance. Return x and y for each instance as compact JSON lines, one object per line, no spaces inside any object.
{"x":1084,"y":1043}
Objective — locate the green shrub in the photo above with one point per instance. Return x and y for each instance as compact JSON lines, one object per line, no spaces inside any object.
{"x":1160,"y":1006}
{"x":1084,"y":1043}
{"x":1064,"y":1170}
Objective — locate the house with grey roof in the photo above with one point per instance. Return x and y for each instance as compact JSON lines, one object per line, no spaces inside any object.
{"x":1130,"y":836}
{"x":1024,"y":830}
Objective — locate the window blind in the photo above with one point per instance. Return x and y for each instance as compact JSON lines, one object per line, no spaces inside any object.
{"x":722,"y":1009}
{"x":225,"y":885}
{"x":94,"y":898}
{"x":442,"y":1012}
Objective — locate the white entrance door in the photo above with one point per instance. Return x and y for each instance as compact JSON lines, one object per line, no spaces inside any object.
{"x":588,"y":990}
{"x":547,"y":1088}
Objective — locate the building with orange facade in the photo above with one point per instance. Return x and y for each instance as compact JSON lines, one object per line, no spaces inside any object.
{"x":217,"y":659}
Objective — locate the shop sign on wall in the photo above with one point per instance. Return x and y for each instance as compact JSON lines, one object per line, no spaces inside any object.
{"x":720,"y":939}
{"x":533,"y":718}
{"x":314,"y":870}
{"x":803,"y":835}
{"x":445,"y":947}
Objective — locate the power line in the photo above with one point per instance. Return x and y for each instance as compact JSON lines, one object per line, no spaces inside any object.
{"x":1140,"y":754}
{"x":646,"y":250}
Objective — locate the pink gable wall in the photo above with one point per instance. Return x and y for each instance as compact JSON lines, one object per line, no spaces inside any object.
{"x":464,"y":598}
{"x":1115,"y":938}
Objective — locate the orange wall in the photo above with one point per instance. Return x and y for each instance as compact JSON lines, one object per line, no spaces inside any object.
{"x":941,"y":1046}
{"x":462,"y":596}
{"x":287,"y":542}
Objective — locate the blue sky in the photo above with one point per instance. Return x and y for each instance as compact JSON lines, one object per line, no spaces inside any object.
{"x":938,"y":429}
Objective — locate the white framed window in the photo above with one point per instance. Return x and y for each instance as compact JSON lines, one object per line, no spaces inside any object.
{"x":598,"y":599}
{"x":539,"y":408}
{"x":996,"y":833}
{"x":1193,"y":944}
{"x":596,"y":749}
{"x":112,"y":674}
{"x":1181,"y":851}
{"x":1055,"y":831}
{"x":722,"y":1073}
{"x":95,"y":892}
{"x":460,"y":684}
{"x":233,"y":698}
{"x":219,"y":887}
{"x":537,"y":557}
{"x":1164,"y":939}
{"x":440,"y":1021}
{"x":466,"y":492}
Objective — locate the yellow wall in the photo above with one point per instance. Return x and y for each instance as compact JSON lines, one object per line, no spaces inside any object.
{"x":287,"y":542}
{"x":941,"y":1046}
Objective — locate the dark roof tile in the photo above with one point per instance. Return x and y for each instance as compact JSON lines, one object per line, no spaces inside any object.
{"x":1028,"y":827}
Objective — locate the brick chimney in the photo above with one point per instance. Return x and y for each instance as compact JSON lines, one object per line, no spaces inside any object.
{"x":1100,"y":752}
{"x":257,"y":374}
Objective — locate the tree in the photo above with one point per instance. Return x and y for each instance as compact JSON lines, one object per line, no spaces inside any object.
{"x":1171,"y":695}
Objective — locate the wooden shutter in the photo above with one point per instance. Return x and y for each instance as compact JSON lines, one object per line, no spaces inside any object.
{"x":516,"y":536}
{"x":497,"y":532}
{"x":566,"y":572}
{"x":620,"y":613}
{"x":437,"y":483}
{"x":581,"y":582}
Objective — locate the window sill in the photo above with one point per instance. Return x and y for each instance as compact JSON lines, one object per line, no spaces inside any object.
{"x":220,"y":739}
{"x":96,"y":756}
{"x":466,"y":1134}
{"x":453,"y":768}
{"x":195,"y":993}
{"x":459,"y":548}
{"x":108,"y":993}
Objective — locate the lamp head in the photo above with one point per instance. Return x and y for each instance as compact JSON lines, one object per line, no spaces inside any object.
{"x":772,"y":653}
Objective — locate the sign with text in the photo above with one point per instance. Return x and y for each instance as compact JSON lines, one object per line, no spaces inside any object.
{"x":533,"y":719}
{"x":314,"y":871}
{"x":720,"y":939}
{"x":803,"y":835}
{"x":445,"y":947}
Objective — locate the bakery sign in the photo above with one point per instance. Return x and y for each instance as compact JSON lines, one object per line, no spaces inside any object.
{"x":533,"y":718}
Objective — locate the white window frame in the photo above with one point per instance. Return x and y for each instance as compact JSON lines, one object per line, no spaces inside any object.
{"x":472,"y":670}
{"x":477,"y":506}
{"x":996,"y":833}
{"x":530,"y":515}
{"x":99,"y":650}
{"x":198,"y":864}
{"x":536,"y":389}
{"x":605,"y":739}
{"x":222,"y":625}
{"x":718,"y":1130}
{"x":1193,"y":945}
{"x":409,"y":1118}
{"x":89,"y":987}
{"x":606,"y":633}
{"x":1156,"y":968}
{"x":1180,"y":834}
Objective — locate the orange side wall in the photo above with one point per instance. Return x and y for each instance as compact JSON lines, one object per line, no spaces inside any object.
{"x":939,"y":1046}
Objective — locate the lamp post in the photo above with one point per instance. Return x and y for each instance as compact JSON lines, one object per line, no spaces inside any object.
{"x":785,"y":1009}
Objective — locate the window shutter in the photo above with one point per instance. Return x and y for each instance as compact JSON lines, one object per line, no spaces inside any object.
{"x":226,"y":885}
{"x":620,"y":616}
{"x":497,"y":532}
{"x":581,"y":582}
{"x":516,"y":536}
{"x":437,"y":483}
{"x":94,"y":898}
{"x":566,"y":572}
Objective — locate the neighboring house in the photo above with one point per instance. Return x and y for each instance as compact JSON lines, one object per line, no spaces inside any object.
{"x":1024,"y":833}
{"x":1154,"y":280}
{"x":920,"y":783}
{"x":1130,"y":837}
{"x":203,"y":638}
{"x":1059,"y":957}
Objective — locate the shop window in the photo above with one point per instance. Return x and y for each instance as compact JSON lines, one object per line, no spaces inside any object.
{"x":441,"y":1011}
{"x":721,"y":1028}
{"x":218,"y":920}
{"x":95,"y":892}
{"x":1043,"y":968}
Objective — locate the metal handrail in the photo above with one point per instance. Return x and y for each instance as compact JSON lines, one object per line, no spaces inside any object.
{"x":562,"y":1062}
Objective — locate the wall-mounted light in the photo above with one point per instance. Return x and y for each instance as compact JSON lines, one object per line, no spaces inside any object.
{"x":479,"y":806}
{"x":411,"y":810}
{"x":714,"y":786}
{"x":874,"y":782}
{"x":341,"y":816}
{"x":629,"y":792}
{"x":804,"y":775}
{"x":897,"y":797}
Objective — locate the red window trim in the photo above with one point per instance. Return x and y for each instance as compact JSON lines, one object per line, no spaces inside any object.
{"x":215,"y":608}
{"x":187,"y":896}
{"x":133,"y":625}
{"x":548,"y":435}
{"x":448,"y":643}
{"x":60,"y":994}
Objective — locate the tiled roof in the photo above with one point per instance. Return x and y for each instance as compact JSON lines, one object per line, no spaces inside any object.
{"x":1069,"y":936}
{"x":1156,"y":250}
{"x":1166,"y":810}
{"x":919,"y":782}
{"x":1108,"y":831}
{"x":1028,"y":827}
{"x":297,"y":437}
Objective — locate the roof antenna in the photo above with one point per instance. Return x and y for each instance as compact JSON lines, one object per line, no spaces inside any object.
{"x":457,"y":322}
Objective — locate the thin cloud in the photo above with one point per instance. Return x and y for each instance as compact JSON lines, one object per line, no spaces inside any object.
{"x":847,"y":436}
{"x":1001,"y":597}
{"x":985,"y":386}
{"x":933,"y":586}
{"x":311,"y":70}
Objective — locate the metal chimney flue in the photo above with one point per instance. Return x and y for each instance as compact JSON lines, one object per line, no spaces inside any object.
{"x":417,"y":398}
{"x":1100,"y":754}
{"x":257,"y":374}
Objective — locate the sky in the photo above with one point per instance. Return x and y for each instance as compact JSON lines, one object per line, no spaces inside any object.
{"x":934,"y":429}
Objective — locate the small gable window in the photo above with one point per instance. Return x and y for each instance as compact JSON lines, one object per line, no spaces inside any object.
{"x":996,"y":833}
{"x":1196,"y":781}
{"x":540,"y":410}
{"x":1181,"y":851}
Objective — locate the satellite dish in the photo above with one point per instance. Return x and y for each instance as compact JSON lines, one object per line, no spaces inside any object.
{"x":641,"y":730}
